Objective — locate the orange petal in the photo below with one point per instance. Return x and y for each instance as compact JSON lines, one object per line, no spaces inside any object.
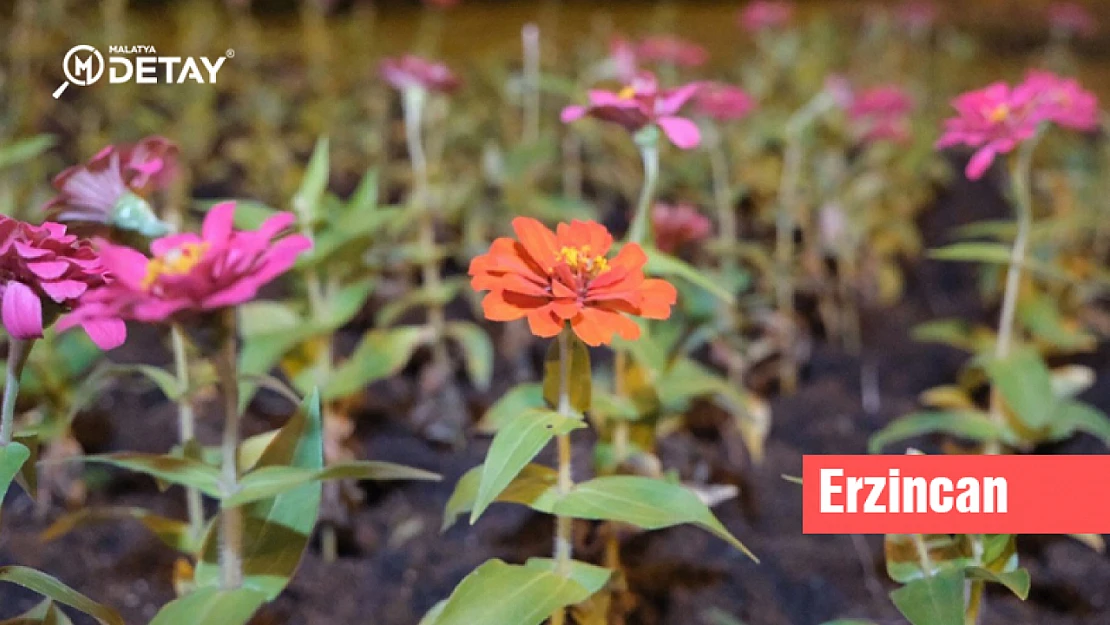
{"x":578,"y":234}
{"x":657,"y":297}
{"x":595,"y":326}
{"x":565,"y":309}
{"x":495,"y":308}
{"x":544,"y":324}
{"x":537,"y":240}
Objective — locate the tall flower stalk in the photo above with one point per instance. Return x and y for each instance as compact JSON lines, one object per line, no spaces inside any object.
{"x":231,"y":518}
{"x":564,"y":525}
{"x":18,"y":351}
{"x":186,"y":424}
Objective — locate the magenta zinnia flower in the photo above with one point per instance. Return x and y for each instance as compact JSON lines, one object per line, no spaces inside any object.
{"x":640,"y":105}
{"x":993,"y":120}
{"x":113,"y":187}
{"x":414,"y":72}
{"x":43,"y":273}
{"x":881,"y":113}
{"x":1072,"y":18}
{"x":676,"y":225}
{"x":723,"y":103}
{"x":1061,"y":101}
{"x":220,"y":268}
{"x":764,"y":15}
{"x":672,"y":50}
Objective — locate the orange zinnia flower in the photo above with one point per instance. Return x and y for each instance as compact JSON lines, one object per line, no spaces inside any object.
{"x":555,"y":277}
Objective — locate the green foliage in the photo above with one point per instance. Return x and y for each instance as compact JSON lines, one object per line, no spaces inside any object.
{"x":934,"y":600}
{"x":12,"y":458}
{"x":477,"y":349}
{"x":54,"y":589}
{"x":969,"y":425}
{"x":518,"y":399}
{"x":380,"y":354}
{"x":533,"y":486}
{"x":212,"y":605}
{"x":172,"y":532}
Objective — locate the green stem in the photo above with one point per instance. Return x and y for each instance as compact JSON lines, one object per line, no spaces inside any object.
{"x":18,"y":351}
{"x":186,"y":425}
{"x":530,"y":37}
{"x":564,"y":526}
{"x":1023,"y":212}
{"x":231,"y":519}
{"x":728,"y":230}
{"x":648,"y":142}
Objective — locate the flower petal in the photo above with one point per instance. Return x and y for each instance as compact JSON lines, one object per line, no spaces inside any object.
{"x":21,"y":311}
{"x":537,"y":240}
{"x":218,"y":222}
{"x":681,"y":131}
{"x":106,"y":333}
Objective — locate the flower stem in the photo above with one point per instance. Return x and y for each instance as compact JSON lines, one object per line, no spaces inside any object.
{"x":648,"y":142}
{"x":1023,"y":209}
{"x":564,"y":526}
{"x":18,"y":351}
{"x":530,"y":37}
{"x":728,"y":230}
{"x":186,"y":425}
{"x":414,"y":99}
{"x":231,"y":519}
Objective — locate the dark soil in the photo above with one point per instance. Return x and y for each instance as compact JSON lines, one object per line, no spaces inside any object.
{"x":396,"y":564}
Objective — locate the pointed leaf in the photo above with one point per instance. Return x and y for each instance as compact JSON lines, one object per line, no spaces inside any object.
{"x":1025,"y":383}
{"x":271,"y":481}
{"x":507,"y":594}
{"x":1017,"y":581}
{"x":592,"y":578}
{"x":212,"y":605}
{"x":28,"y":476}
{"x":516,"y":401}
{"x":306,"y":201}
{"x":51,"y":587}
{"x":1075,"y":416}
{"x":666,"y":266}
{"x":935,"y":600}
{"x":514,"y":446}
{"x":171,"y":469}
{"x":380,"y":354}
{"x":974,"y":426}
{"x":12,"y":457}
{"x":534,"y":487}
{"x":45,"y":613}
{"x":174,"y":533}
{"x":644,"y":502}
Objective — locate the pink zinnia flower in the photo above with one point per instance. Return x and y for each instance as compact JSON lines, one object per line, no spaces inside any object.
{"x":43,"y":273}
{"x":993,"y":120}
{"x":723,"y":103}
{"x":917,"y":15}
{"x":220,"y":268}
{"x":672,"y":50}
{"x":676,"y":225}
{"x":1072,"y":18}
{"x":640,"y":105}
{"x":622,"y":58}
{"x":1061,"y":101}
{"x":766,"y":15}
{"x":882,"y":113}
{"x":412,"y":72}
{"x":113,"y":186}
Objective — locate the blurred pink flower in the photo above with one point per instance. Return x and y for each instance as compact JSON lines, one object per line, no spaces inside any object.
{"x":722,"y":102}
{"x":220,"y":268}
{"x":882,"y":114}
{"x":1072,"y":18}
{"x":622,"y":57}
{"x":676,"y":225}
{"x":411,"y":71}
{"x":640,"y":105}
{"x":671,"y":50}
{"x":763,"y":15}
{"x":917,"y":15}
{"x":993,"y":120}
{"x":1061,"y":101}
{"x":113,"y":186}
{"x":44,"y":273}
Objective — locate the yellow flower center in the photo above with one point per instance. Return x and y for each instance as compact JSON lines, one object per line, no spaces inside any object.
{"x":999,"y":113}
{"x":627,"y":93}
{"x":580,"y":260}
{"x":176,"y":262}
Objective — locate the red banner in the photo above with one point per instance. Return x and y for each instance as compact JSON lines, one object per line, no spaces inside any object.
{"x":915,"y":494}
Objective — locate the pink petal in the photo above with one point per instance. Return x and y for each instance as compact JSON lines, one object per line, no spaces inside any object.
{"x":106,"y":333}
{"x":980,"y":162}
{"x":64,"y":290}
{"x":21,"y":311}
{"x":681,"y":131}
{"x":27,"y":251}
{"x":218,"y":223}
{"x":572,"y":113}
{"x":48,"y":269}
{"x":671,"y":102}
{"x":125,"y":264}
{"x":275,"y":224}
{"x":159,"y":247}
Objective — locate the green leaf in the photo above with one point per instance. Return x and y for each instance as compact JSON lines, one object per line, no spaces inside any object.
{"x":514,"y":446}
{"x":912,"y":557}
{"x":664,"y":265}
{"x":45,"y":613}
{"x":1075,"y":416}
{"x":12,"y":457}
{"x":534,"y":486}
{"x":277,"y":530}
{"x":212,"y":605}
{"x":644,"y":502}
{"x":1025,"y":383}
{"x":1040,"y":314}
{"x":1017,"y":581}
{"x":380,"y":354}
{"x":974,"y":426}
{"x":164,"y":380}
{"x":51,"y":587}
{"x":24,"y":150}
{"x":365,"y":197}
{"x":579,"y":383}
{"x":419,"y":298}
{"x":262,"y":317}
{"x":249,"y":214}
{"x":307,"y":199}
{"x":934,"y":600}
{"x":508,"y":594}
{"x":477,"y":349}
{"x":517,"y":400}
{"x":172,"y":469}
{"x":174,"y":533}
{"x":955,"y":333}
{"x":592,"y":578}
{"x":974,"y":251}
{"x":271,"y":481}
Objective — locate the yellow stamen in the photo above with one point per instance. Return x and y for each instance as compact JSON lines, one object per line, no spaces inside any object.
{"x":176,"y":262}
{"x":999,"y":113}
{"x":627,"y":93}
{"x":580,"y":260}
